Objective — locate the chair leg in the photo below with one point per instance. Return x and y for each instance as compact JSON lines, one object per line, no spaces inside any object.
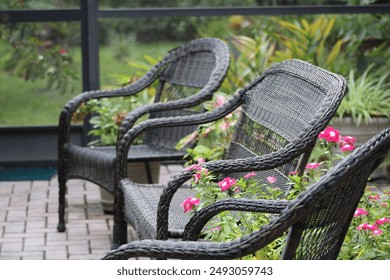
{"x":120,"y":225}
{"x":61,"y":203}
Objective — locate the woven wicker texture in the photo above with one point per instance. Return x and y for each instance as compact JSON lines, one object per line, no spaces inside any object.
{"x":185,"y":78}
{"x":282,"y":113}
{"x":316,"y":221}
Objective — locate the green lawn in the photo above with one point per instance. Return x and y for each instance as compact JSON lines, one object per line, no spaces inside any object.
{"x":31,"y":103}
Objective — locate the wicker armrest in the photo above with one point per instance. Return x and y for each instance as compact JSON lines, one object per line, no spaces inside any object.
{"x":137,"y":113}
{"x":259,"y":163}
{"x":74,"y":103}
{"x":200,"y":219}
{"x":128,"y":138}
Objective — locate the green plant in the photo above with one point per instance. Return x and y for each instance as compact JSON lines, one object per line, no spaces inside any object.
{"x":308,"y":41}
{"x":211,"y":139}
{"x":368,"y":96}
{"x":227,"y":226}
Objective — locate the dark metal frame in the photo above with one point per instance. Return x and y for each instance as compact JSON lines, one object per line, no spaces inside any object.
{"x":89,"y":14}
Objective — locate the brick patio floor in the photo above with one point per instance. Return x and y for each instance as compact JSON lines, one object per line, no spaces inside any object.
{"x":28,"y":220}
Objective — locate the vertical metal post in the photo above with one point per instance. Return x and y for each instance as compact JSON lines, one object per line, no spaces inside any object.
{"x":90,"y":52}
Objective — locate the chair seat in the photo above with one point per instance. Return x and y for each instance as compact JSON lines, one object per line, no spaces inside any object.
{"x":141,"y":203}
{"x":139,"y":153}
{"x":97,"y":164}
{"x":143,"y":200}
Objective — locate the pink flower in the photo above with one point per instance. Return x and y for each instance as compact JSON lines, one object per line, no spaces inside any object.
{"x":293,"y":173}
{"x":313,"y":165}
{"x":359,"y":212}
{"x":377,"y":232}
{"x":271,"y":179}
{"x":384,"y":204}
{"x":216,"y":228}
{"x":200,"y":160}
{"x":194,"y":167}
{"x":372,"y":227}
{"x":62,"y":51}
{"x":347,"y":147}
{"x":381,"y":221}
{"x":387,"y":192}
{"x":330,"y":134}
{"x":189,"y":203}
{"x":374,"y":197}
{"x":220,"y":100}
{"x":252,"y":174}
{"x":197,"y":177}
{"x":226,"y":183}
{"x":362,"y":226}
{"x":349,"y":140}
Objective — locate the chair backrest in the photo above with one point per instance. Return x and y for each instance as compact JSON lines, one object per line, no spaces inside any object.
{"x":320,"y":216}
{"x":196,"y":69}
{"x":288,"y":100}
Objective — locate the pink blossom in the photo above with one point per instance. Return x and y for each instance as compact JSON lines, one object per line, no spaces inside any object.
{"x":62,"y":51}
{"x":366,"y":226}
{"x":330,"y":134}
{"x":384,"y":204}
{"x":372,"y":227}
{"x":362,"y":226}
{"x":374,"y":197}
{"x":381,"y":221}
{"x":197,"y":177}
{"x":220,"y":100}
{"x":347,"y":147}
{"x":226,"y":183}
{"x":387,"y":192}
{"x":252,"y":174}
{"x":293,"y":173}
{"x":200,"y":160}
{"x":271,"y":179}
{"x":360,"y":212}
{"x":189,"y":203}
{"x":216,"y":228}
{"x":377,"y":232}
{"x":349,"y":140}
{"x":313,"y":165}
{"x":194,"y":167}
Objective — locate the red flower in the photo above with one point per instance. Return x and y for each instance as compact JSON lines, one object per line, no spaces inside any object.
{"x":271,"y":179}
{"x":252,"y":174}
{"x":226,"y":183}
{"x":189,"y":203}
{"x":349,"y":140}
{"x":313,"y":165}
{"x":347,"y":147}
{"x":330,"y":134}
{"x":381,"y":221}
{"x":359,"y":212}
{"x":62,"y":51}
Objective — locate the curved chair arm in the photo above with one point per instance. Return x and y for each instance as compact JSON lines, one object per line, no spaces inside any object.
{"x":259,"y":163}
{"x":204,"y":215}
{"x":128,"y":138}
{"x":191,"y":101}
{"x":73,"y":104}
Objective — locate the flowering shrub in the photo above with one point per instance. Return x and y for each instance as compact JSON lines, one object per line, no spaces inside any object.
{"x":367,"y":238}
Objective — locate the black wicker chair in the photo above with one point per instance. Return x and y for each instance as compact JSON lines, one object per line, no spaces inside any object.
{"x":316,"y":221}
{"x":282,"y":113}
{"x":186,"y":77}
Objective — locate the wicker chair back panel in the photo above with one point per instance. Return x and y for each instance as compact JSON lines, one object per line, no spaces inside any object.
{"x":193,"y":70}
{"x":169,"y":137}
{"x":284,"y":103}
